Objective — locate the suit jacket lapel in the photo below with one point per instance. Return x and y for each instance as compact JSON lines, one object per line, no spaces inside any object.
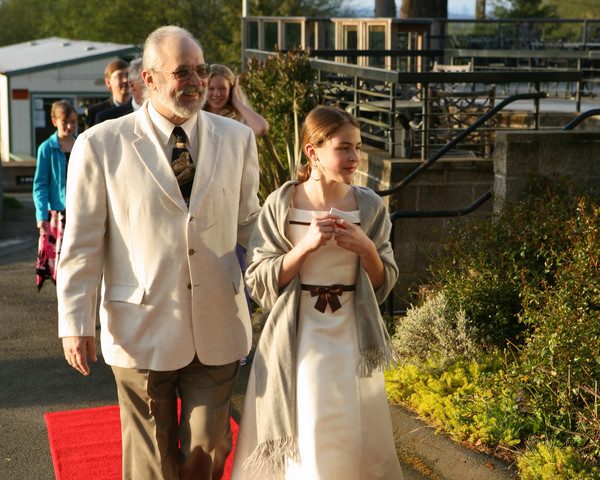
{"x":151,"y":154}
{"x":205,"y":160}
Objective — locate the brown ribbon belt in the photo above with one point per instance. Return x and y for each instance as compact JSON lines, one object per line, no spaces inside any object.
{"x":328,"y":294}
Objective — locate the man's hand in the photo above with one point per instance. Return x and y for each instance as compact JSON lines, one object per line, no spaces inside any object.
{"x":76,"y":349}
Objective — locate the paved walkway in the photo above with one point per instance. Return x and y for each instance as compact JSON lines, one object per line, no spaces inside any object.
{"x":35,"y":378}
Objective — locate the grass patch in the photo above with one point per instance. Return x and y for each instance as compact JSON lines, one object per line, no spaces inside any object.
{"x":11,"y":202}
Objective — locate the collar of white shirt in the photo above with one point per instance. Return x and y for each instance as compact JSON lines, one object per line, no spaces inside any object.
{"x":164,"y":128}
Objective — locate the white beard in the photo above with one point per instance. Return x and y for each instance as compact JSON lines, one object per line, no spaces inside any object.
{"x":176,"y":106}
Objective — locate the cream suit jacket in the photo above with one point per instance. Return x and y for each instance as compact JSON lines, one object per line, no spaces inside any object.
{"x":171,"y":282}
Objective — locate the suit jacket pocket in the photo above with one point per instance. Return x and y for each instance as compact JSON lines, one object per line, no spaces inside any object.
{"x":234,"y":272}
{"x":124,"y":293}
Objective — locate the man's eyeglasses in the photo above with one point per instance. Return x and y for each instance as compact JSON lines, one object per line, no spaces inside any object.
{"x":121,"y":76}
{"x":183,"y":74}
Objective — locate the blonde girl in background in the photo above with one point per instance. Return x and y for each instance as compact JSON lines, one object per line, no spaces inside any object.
{"x":226,"y":98}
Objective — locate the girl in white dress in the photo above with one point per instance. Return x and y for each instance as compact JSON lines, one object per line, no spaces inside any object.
{"x":316,"y":407}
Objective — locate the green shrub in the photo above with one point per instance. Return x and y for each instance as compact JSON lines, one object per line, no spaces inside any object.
{"x":545,"y":461}
{"x":283,"y":89}
{"x":431,"y":333}
{"x":561,"y":356}
{"x":527,"y":282}
{"x":472,"y":401}
{"x":485,"y":264}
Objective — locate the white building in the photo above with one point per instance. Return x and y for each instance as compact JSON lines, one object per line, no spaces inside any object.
{"x":33,"y":75}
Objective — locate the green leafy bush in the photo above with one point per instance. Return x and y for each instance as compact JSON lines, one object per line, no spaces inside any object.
{"x":485,"y":264}
{"x":561,"y":356}
{"x":470,"y":400}
{"x":546,"y":461}
{"x":283,"y":89}
{"x":529,"y":283}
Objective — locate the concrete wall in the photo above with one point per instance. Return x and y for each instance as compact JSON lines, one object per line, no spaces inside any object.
{"x":452,"y":184}
{"x":550,"y":154}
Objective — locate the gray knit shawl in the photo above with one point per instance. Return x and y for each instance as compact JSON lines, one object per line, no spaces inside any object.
{"x":274,"y":364}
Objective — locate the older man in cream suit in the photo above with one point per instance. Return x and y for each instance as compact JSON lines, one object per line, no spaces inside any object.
{"x":174,"y":319}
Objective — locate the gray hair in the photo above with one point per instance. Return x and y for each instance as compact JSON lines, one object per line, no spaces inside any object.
{"x":153,"y":56}
{"x":135,"y":71}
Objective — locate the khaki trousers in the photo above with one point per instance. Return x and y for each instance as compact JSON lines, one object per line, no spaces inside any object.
{"x":155,"y":447}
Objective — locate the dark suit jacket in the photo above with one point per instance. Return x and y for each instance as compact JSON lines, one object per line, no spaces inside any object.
{"x":93,"y":110}
{"x":114,"y":112}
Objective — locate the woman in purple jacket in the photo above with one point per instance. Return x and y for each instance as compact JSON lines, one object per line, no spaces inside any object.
{"x":49,"y":186}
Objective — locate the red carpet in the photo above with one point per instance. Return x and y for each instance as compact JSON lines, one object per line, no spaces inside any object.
{"x":86,"y":444}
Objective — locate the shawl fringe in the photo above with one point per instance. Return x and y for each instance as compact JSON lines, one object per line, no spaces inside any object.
{"x":270,"y":457}
{"x":376,"y":357}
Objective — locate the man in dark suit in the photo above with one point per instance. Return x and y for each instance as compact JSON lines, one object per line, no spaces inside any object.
{"x":114,"y":112}
{"x":115,"y":77}
{"x":136,"y":85}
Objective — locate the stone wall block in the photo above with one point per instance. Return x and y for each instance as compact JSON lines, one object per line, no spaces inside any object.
{"x":454,"y":184}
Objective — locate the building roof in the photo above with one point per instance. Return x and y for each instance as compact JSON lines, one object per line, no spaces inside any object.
{"x":53,"y":52}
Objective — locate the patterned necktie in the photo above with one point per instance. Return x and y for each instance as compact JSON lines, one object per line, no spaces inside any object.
{"x":182,"y":164}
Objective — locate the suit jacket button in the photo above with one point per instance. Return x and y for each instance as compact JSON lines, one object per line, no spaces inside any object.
{"x":191,"y":251}
{"x":189,"y":286}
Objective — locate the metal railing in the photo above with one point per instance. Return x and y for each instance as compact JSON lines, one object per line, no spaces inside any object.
{"x":402,"y":59}
{"x":389,"y":301}
{"x":585,"y":61}
{"x":385,"y":101}
{"x":455,"y":213}
{"x":581,"y":117}
{"x":459,"y":137}
{"x":516,"y":33}
{"x":377,"y":95}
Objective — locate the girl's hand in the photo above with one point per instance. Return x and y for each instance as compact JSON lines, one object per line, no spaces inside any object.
{"x":254,"y":120}
{"x":235,"y":93}
{"x":43,"y":226}
{"x":351,"y":237}
{"x":321,"y":230}
{"x":319,"y":233}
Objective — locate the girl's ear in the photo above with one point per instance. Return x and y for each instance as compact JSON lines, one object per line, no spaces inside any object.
{"x":54,"y":122}
{"x":311,"y":151}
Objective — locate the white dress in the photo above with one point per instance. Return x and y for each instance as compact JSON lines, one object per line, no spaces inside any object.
{"x":344,"y":425}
